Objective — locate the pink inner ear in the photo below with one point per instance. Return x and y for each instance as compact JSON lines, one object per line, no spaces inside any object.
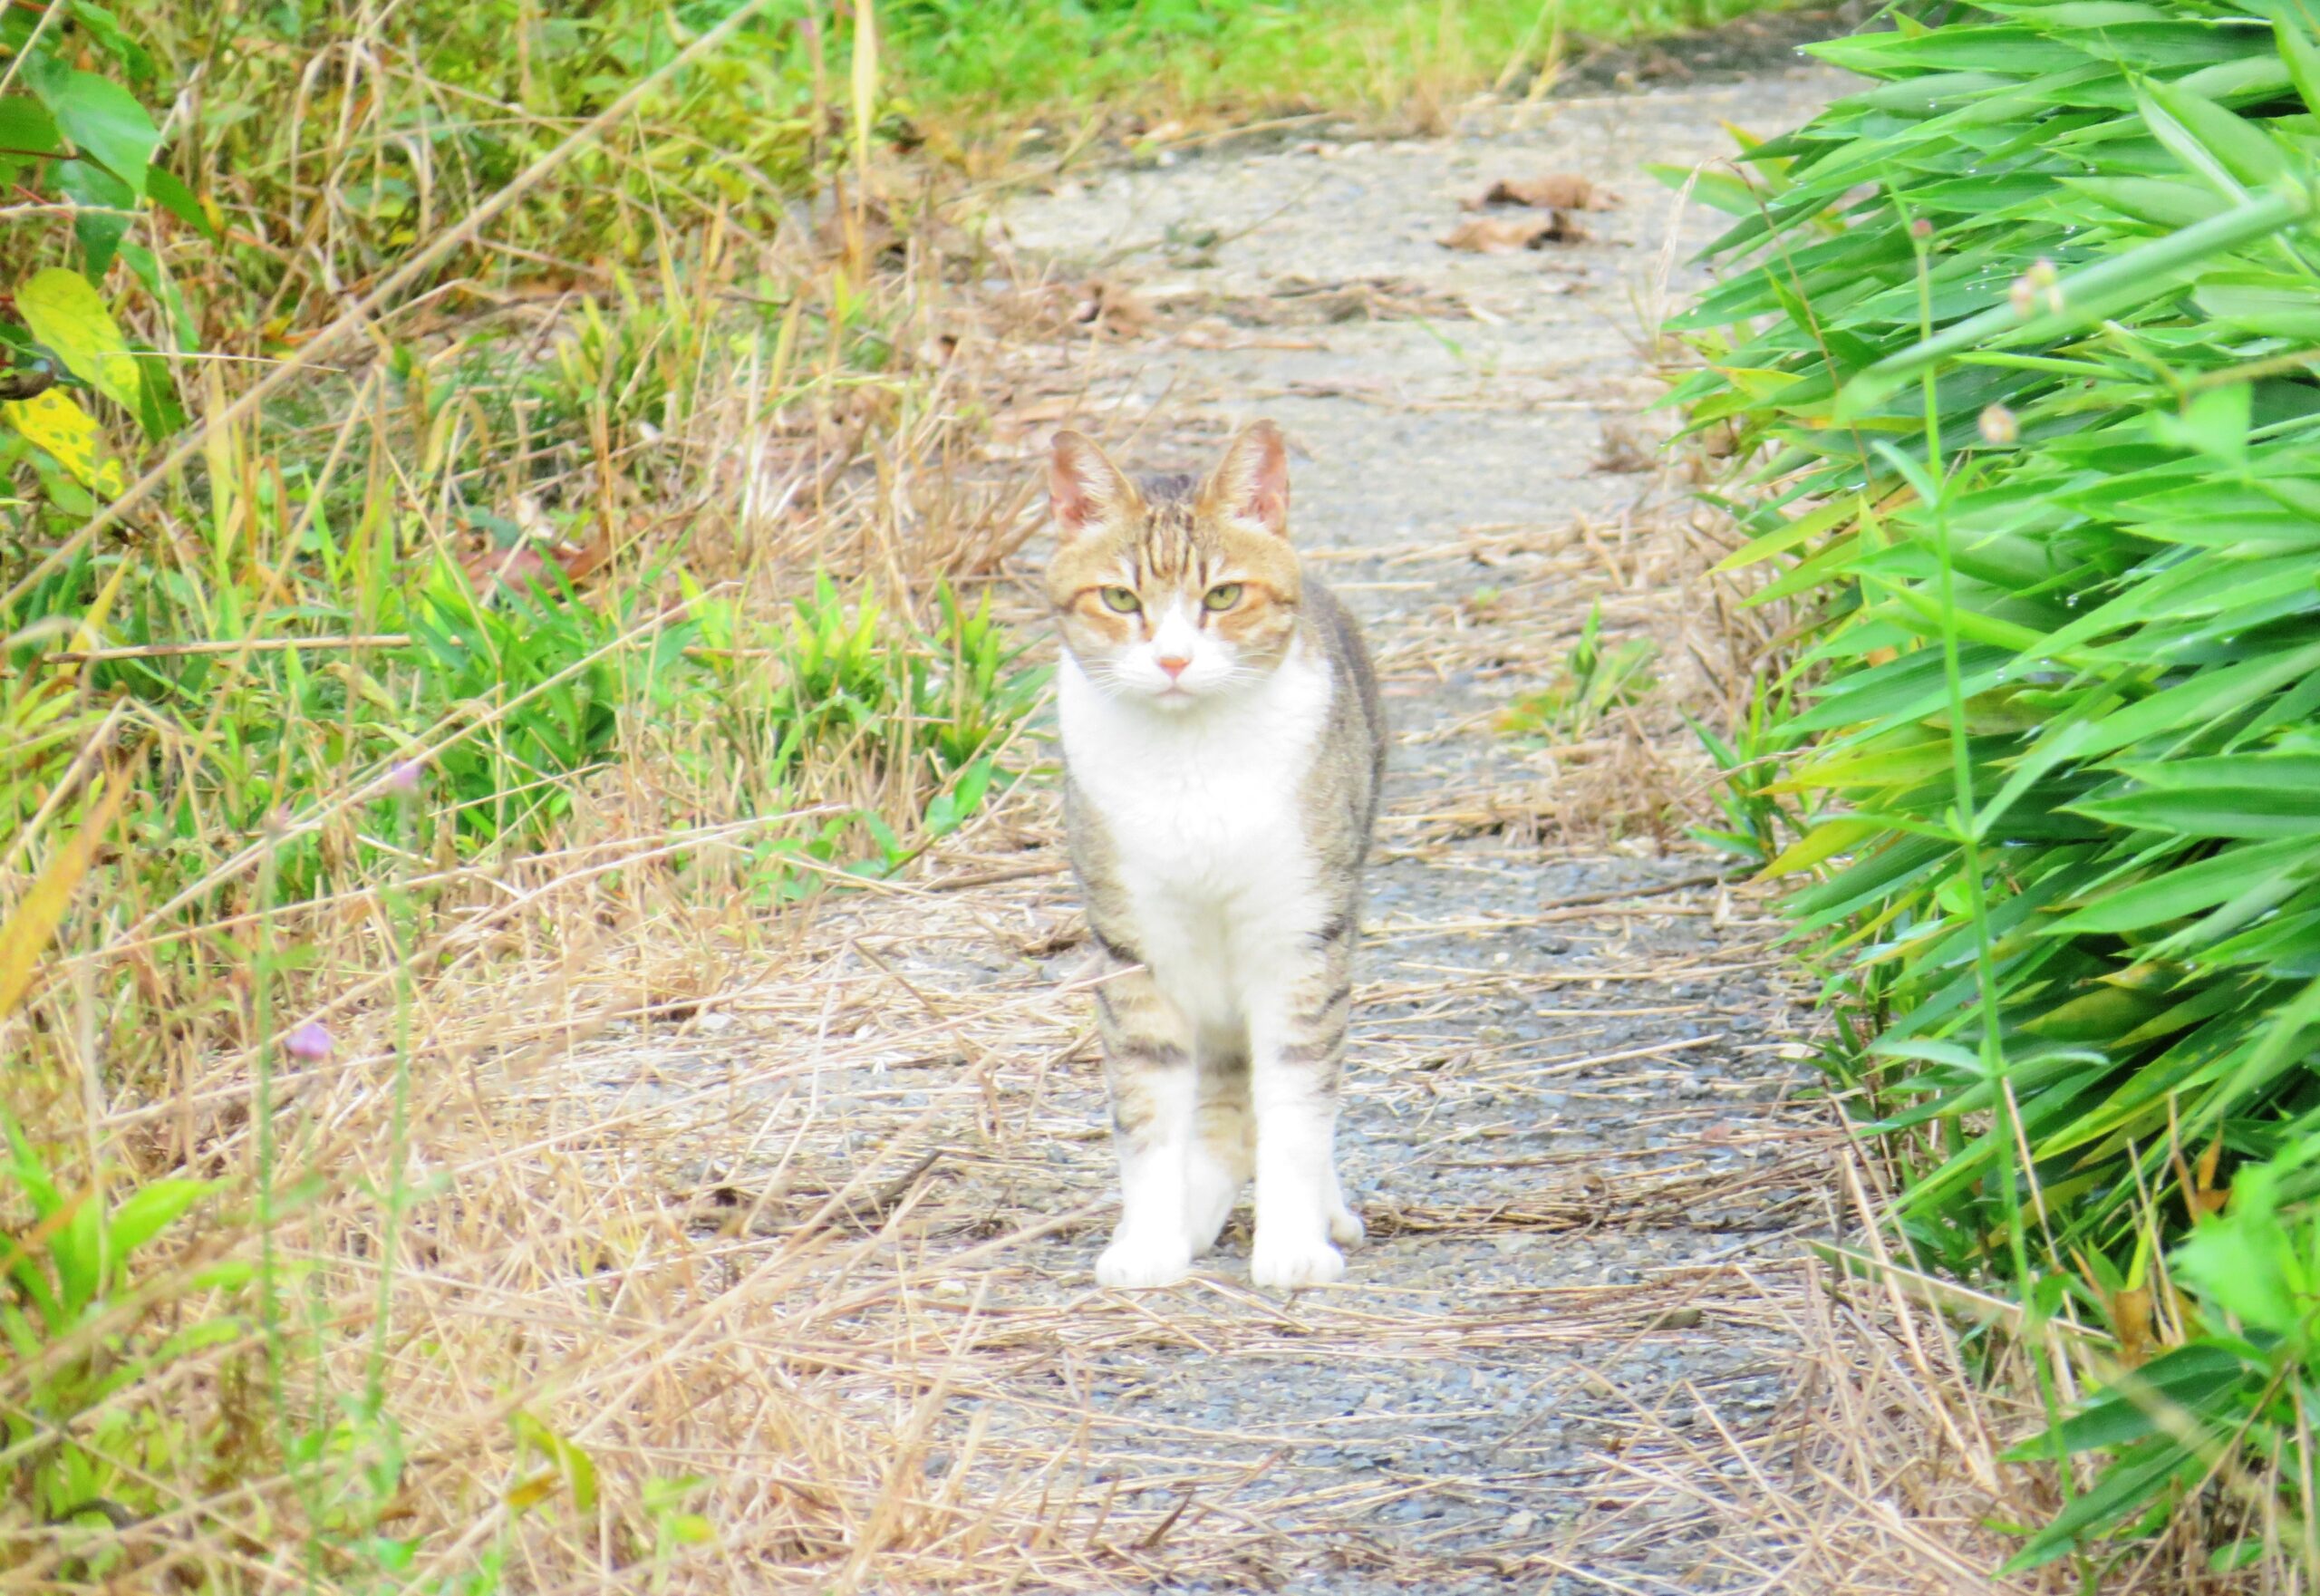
{"x":1068,"y":494}
{"x":1265,"y":496}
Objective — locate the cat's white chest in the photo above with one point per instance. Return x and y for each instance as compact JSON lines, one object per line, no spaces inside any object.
{"x":1202,"y":810}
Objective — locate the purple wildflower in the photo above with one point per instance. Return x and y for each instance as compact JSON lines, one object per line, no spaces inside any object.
{"x":310,"y":1042}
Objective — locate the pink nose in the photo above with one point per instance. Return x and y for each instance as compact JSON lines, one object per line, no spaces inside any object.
{"x":1173,"y":663}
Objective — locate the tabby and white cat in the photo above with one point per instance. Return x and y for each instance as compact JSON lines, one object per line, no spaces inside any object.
{"x":1223,"y":748}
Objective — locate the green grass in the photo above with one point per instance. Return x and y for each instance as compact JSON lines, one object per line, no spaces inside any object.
{"x":2034,"y":442}
{"x":1186,"y":57}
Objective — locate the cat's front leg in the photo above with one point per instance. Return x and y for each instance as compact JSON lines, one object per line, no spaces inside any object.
{"x":1297,"y":1044}
{"x":1154,"y":1080}
{"x":1225,"y":1142}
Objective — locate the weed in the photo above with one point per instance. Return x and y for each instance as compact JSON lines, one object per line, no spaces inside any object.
{"x":1592,"y":683}
{"x":86,"y":1324}
{"x":1748,"y":792}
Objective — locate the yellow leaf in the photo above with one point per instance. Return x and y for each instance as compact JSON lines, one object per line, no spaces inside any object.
{"x":2101,"y":1015}
{"x":2131,"y":1318}
{"x":1828,"y":838}
{"x":576,"y":1464}
{"x":1759,"y":383}
{"x":533,"y":1491}
{"x":2208,"y":1161}
{"x":71,"y":434}
{"x":26,"y":935}
{"x":90,"y":632}
{"x":1878,"y":768}
{"x":70,"y":316}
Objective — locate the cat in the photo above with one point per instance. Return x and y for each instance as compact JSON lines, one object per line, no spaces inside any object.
{"x":1223,"y":751}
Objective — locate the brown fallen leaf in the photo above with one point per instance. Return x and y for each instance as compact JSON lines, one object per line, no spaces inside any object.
{"x":1503,"y":234}
{"x":525,"y":565}
{"x":1546,"y":191}
{"x":516,"y":567}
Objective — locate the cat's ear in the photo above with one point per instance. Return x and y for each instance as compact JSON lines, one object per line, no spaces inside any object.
{"x":1083,"y":487}
{"x":1251,"y":483}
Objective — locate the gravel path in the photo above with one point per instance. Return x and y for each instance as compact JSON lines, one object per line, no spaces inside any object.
{"x":1573,"y":1122}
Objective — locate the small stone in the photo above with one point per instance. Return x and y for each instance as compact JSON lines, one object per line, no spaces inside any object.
{"x":1519,"y":1524}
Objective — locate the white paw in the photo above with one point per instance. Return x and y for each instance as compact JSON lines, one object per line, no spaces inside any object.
{"x":1137,"y":1263}
{"x":1280,"y":1264}
{"x":1346,"y":1228}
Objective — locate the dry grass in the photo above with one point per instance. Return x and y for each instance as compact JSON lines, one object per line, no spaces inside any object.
{"x":1882,"y":1474}
{"x":1886,"y":1472}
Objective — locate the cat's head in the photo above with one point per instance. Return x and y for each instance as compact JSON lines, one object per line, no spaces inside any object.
{"x":1176,"y":590}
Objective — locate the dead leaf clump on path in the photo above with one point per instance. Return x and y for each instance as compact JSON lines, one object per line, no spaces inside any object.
{"x":1546,"y":191}
{"x":1505,"y":235}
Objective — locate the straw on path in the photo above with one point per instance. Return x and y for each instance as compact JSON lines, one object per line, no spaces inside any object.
{"x":1577,"y":1122}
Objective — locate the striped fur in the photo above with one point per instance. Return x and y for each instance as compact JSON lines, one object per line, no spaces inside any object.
{"x":1224,"y":751}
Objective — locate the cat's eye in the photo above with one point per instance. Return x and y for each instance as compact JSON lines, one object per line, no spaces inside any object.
{"x":1223,"y":596}
{"x":1121,"y":601}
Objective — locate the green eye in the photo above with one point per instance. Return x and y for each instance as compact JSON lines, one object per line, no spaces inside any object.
{"x":1222,"y":597}
{"x":1121,"y":601}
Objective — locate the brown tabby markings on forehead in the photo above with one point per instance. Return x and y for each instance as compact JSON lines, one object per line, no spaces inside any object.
{"x":1169,"y":538}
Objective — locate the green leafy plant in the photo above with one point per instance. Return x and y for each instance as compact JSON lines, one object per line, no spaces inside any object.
{"x":82,"y":1327}
{"x":1754,"y":813}
{"x":843,"y":679}
{"x":2177,"y":1423}
{"x":852,"y":679}
{"x":1593,"y":681}
{"x":968,"y":685}
{"x":548,"y":667}
{"x":2018,"y":348}
{"x":82,"y":139}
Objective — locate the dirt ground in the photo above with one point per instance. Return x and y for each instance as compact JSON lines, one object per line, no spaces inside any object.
{"x":1579,"y":1121}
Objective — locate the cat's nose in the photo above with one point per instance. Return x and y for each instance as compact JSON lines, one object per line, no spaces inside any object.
{"x":1173,"y":663}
